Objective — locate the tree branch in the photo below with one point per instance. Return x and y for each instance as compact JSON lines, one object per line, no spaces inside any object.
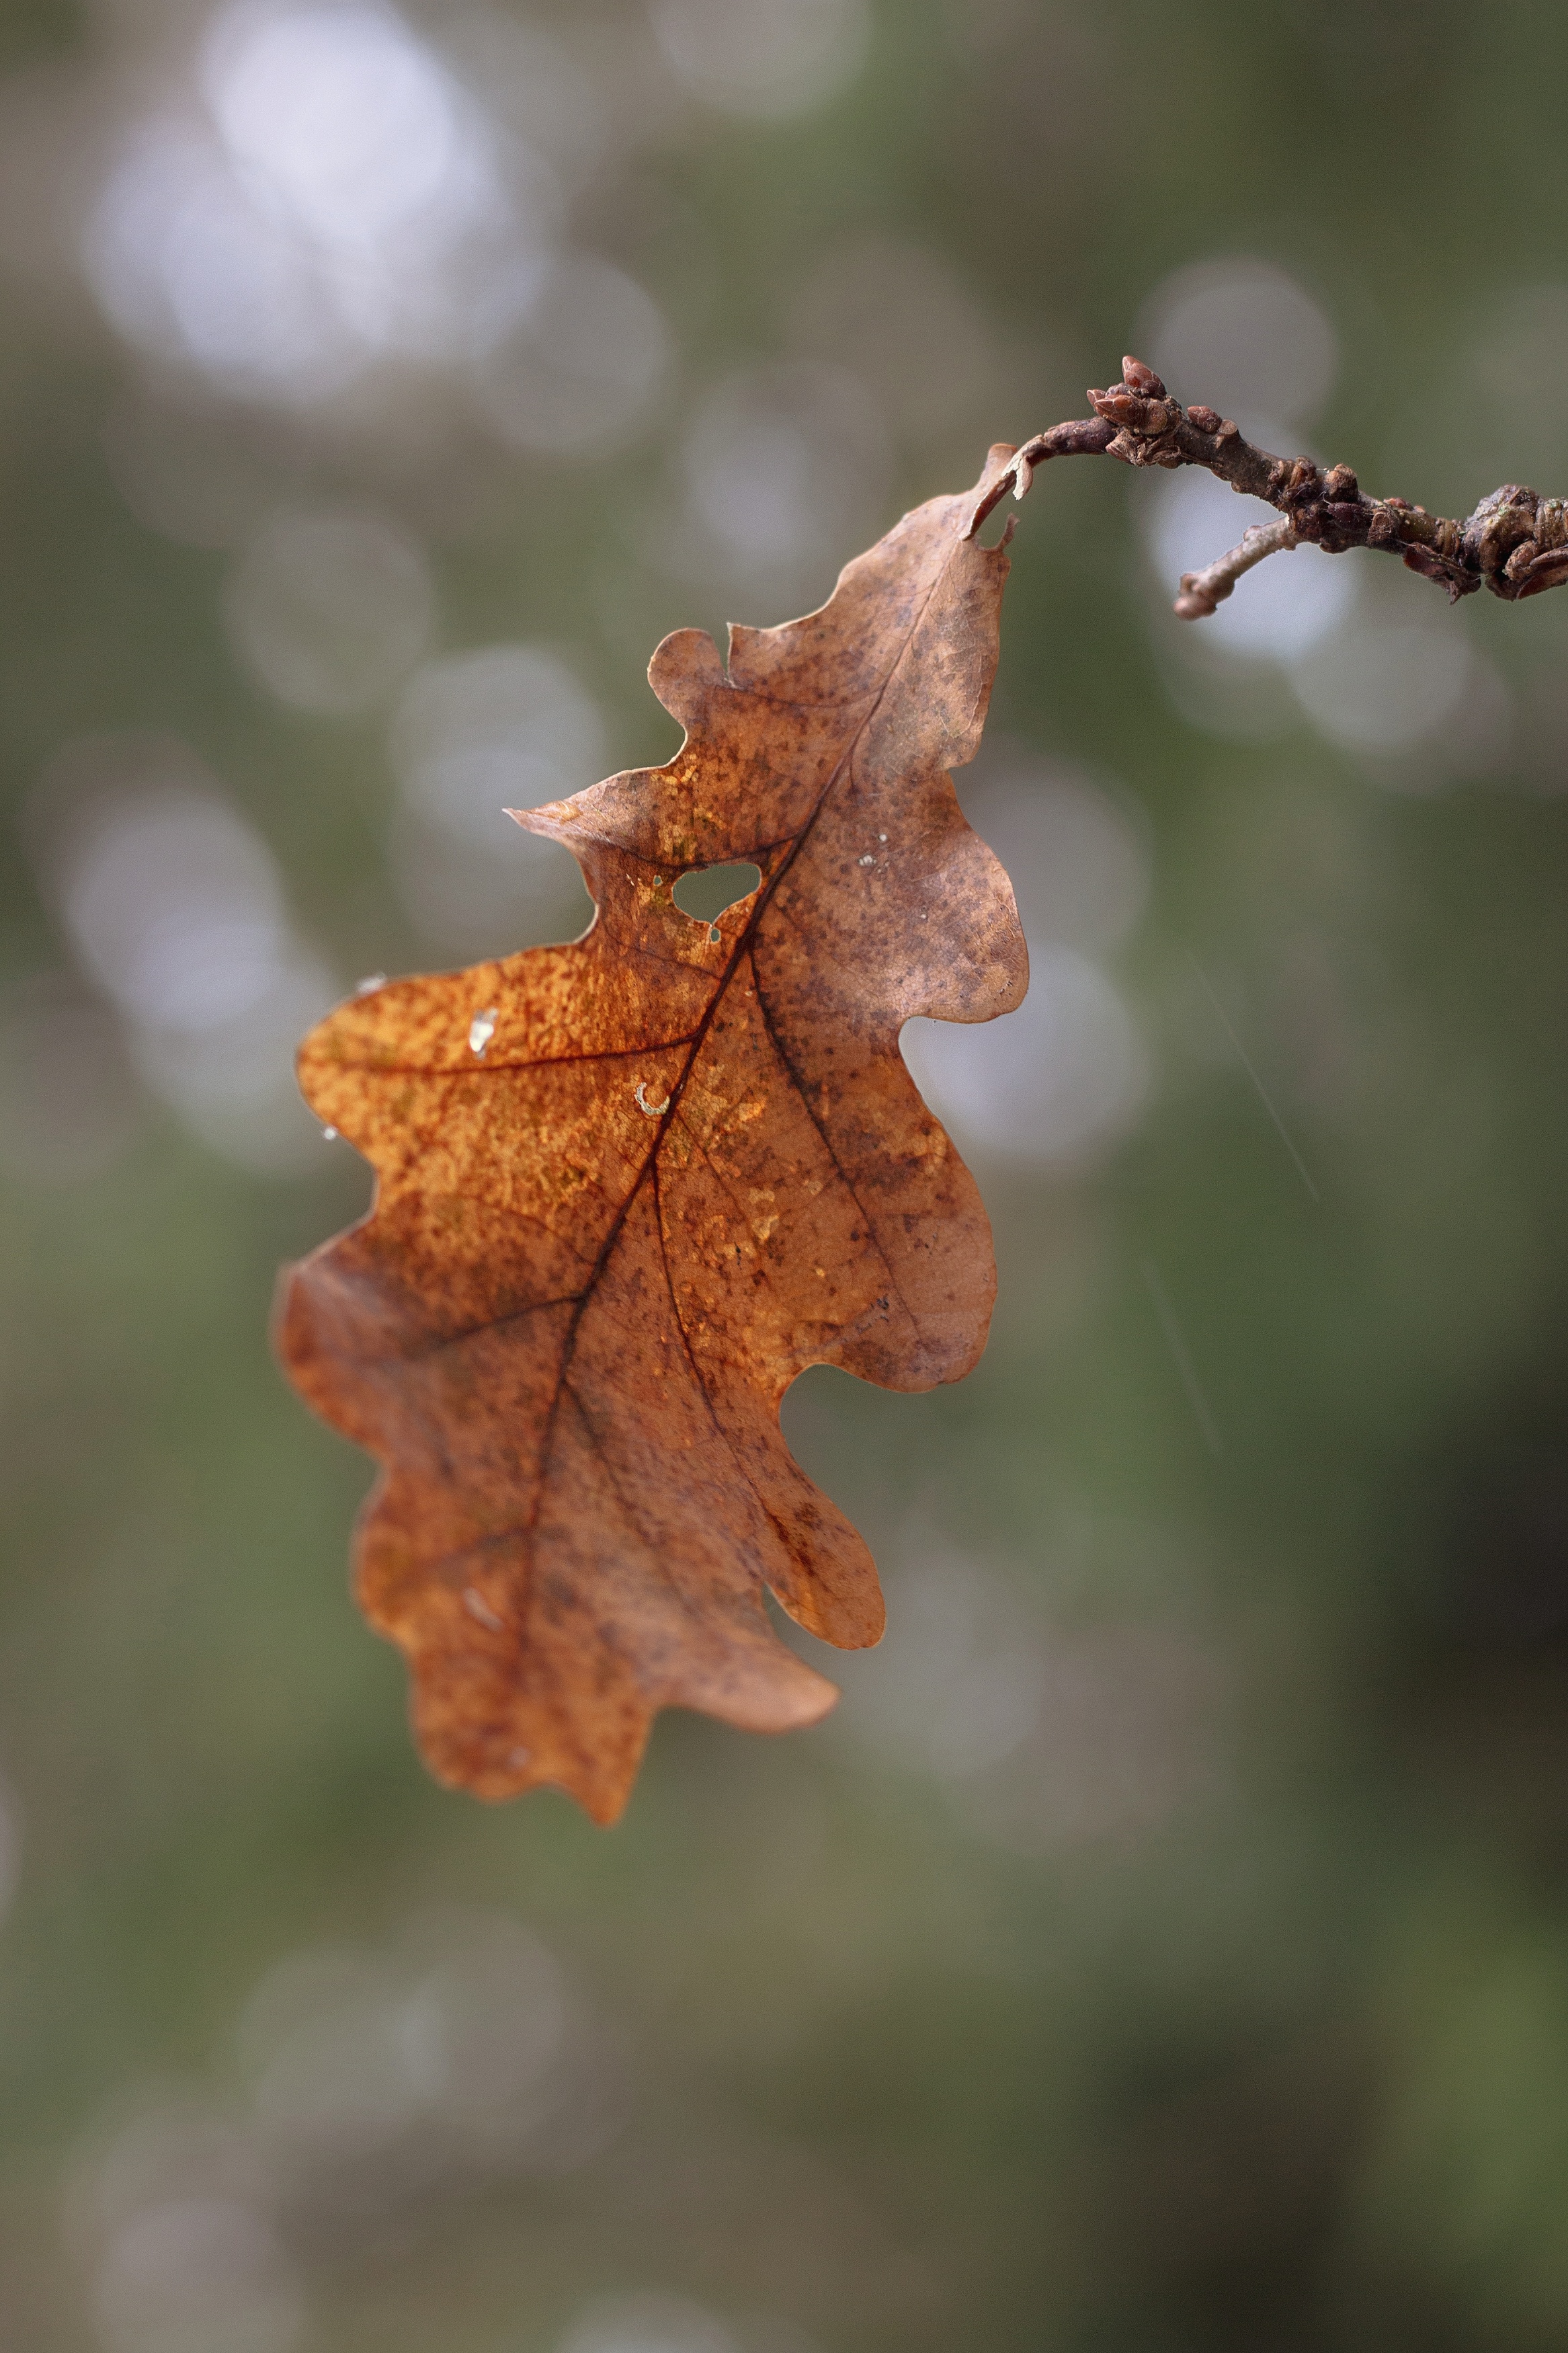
{"x":1515,"y":542}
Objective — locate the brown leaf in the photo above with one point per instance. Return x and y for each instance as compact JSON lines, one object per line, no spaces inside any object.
{"x":628,"y":1188}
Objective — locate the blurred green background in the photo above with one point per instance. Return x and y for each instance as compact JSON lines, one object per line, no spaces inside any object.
{"x":1165,"y":1946}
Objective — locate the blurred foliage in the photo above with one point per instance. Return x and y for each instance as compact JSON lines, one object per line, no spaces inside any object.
{"x":1245,"y":2021}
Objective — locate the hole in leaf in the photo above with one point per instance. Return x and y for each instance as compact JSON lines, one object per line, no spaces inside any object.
{"x":706,"y":891}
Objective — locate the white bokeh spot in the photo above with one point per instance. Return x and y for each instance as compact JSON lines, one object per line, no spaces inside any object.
{"x":766,"y":58}
{"x":1242,"y":335}
{"x":568,"y":358}
{"x":175,"y":907}
{"x":474,"y":734}
{"x":1050,"y":1083}
{"x":342,"y":199}
{"x":329,"y":607}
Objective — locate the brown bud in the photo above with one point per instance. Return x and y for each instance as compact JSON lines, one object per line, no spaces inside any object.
{"x":1550,"y":571}
{"x":1417,"y":558}
{"x":1138,"y":378}
{"x":1228,"y":428}
{"x":1340,"y":484}
{"x":1208,"y":420}
{"x":1127,"y":409}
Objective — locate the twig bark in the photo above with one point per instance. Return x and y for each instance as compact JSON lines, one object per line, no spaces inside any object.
{"x":1515,"y":542}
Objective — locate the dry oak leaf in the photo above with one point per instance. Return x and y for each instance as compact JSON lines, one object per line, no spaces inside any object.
{"x":628,"y":1188}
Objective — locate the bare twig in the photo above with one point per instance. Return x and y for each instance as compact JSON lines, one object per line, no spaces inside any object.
{"x":1203,"y":591}
{"x":1515,"y":542}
